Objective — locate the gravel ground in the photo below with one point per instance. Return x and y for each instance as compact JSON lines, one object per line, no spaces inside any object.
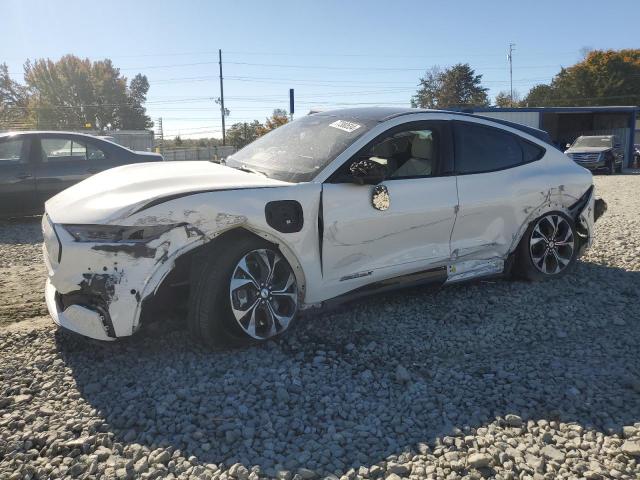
{"x":22,"y":271}
{"x":495,"y":379}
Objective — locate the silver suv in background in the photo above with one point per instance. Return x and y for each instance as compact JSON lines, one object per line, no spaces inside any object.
{"x":34,"y":166}
{"x":597,"y":152}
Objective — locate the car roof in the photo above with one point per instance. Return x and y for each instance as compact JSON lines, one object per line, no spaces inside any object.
{"x":45,"y":132}
{"x":100,"y":139}
{"x":382,"y":114}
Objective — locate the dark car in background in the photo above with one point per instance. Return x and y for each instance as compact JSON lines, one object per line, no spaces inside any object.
{"x":34,"y":166}
{"x":597,"y":152}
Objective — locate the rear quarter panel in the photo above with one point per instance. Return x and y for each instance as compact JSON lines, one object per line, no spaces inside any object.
{"x":497,"y":207}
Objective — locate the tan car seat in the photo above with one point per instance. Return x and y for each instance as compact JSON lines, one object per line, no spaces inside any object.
{"x":421,"y":161}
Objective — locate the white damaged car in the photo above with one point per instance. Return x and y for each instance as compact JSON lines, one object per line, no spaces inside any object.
{"x":331,"y":206}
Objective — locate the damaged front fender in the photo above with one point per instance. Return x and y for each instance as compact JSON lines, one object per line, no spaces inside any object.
{"x":112,"y":279}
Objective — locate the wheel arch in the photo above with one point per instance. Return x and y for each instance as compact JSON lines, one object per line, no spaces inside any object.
{"x":179,"y":270}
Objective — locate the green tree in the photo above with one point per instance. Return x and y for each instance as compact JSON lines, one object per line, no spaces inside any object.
{"x":178,"y":141}
{"x":503,"y":99}
{"x":14,"y":102}
{"x":133,"y":115}
{"x":458,"y":86}
{"x":540,"y":96}
{"x":603,"y":77}
{"x":243,"y":133}
{"x":72,"y":92}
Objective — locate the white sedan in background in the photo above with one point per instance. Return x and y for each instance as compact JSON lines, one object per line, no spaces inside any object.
{"x":331,"y":206}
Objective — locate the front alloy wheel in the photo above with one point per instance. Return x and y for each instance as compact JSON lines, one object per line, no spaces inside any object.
{"x":263,"y":293}
{"x":243,"y":291}
{"x":551,"y":244}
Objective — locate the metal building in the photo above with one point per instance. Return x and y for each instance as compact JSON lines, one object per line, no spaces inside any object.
{"x":140,"y":140}
{"x":565,"y":124}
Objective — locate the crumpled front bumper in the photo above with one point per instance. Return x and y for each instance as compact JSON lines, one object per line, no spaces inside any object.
{"x":77,"y":318}
{"x":599,"y":207}
{"x":97,"y":289}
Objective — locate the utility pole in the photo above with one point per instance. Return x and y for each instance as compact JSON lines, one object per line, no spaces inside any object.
{"x":510,"y":57}
{"x":222,"y":110}
{"x":291,"y":104}
{"x":161,"y":133}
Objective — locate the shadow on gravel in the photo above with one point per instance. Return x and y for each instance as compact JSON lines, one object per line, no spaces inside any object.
{"x":25,"y":230}
{"x":331,"y":395}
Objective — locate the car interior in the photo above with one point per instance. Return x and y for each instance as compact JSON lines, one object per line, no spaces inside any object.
{"x":407,"y":154}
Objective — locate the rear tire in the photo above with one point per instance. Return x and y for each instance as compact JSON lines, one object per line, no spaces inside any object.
{"x":244,"y":293}
{"x":548,"y":249}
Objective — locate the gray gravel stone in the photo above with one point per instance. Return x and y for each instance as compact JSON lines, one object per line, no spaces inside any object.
{"x":402,"y":374}
{"x":513,"y":420}
{"x":631,"y":447}
{"x":479,"y":460}
{"x":416,"y":384}
{"x":552,"y":453}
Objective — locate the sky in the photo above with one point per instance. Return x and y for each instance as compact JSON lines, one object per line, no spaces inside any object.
{"x":333,"y":53}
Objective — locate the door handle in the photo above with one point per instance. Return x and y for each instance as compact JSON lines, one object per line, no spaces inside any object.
{"x":93,"y":170}
{"x":23,"y":176}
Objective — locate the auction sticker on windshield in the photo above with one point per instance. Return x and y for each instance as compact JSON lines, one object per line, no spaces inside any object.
{"x":344,"y":125}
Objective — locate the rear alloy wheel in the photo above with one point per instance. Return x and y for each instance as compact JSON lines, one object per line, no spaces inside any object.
{"x":551,"y":244}
{"x":263,"y":294}
{"x":548,"y":248}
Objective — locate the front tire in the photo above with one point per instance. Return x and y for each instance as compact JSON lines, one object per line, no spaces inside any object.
{"x":247,"y":293}
{"x":548,"y":249}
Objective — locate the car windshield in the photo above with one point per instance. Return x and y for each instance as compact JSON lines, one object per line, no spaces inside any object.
{"x":298,"y":151}
{"x":592,"y":142}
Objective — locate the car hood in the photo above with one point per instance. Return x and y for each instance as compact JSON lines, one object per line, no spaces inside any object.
{"x":587,"y":149}
{"x":116,"y":193}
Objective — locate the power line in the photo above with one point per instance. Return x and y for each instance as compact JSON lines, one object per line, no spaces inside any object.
{"x":340,"y":83}
{"x":378,"y":55}
{"x":393,"y":69}
{"x":270,"y":100}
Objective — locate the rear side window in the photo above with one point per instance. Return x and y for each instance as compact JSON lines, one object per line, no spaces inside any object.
{"x":10,"y":151}
{"x":531,"y":152}
{"x":65,"y":149}
{"x":94,"y":153}
{"x":485,"y":149}
{"x":56,"y":149}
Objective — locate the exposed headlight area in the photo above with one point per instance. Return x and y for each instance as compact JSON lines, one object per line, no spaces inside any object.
{"x":52,"y":246}
{"x":117,"y":233}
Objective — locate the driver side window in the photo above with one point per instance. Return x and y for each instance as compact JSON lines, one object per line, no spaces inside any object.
{"x":407,"y":154}
{"x":418,"y":149}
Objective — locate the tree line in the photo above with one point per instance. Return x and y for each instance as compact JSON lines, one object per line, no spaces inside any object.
{"x":73,"y":93}
{"x":602,"y":77}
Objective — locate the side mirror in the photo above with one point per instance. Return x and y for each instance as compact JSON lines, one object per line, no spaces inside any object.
{"x":367,"y":172}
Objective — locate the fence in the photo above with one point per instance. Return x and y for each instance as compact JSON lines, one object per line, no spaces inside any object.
{"x":214,"y":153}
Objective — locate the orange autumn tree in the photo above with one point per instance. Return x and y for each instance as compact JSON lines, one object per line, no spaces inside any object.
{"x":604,"y":77}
